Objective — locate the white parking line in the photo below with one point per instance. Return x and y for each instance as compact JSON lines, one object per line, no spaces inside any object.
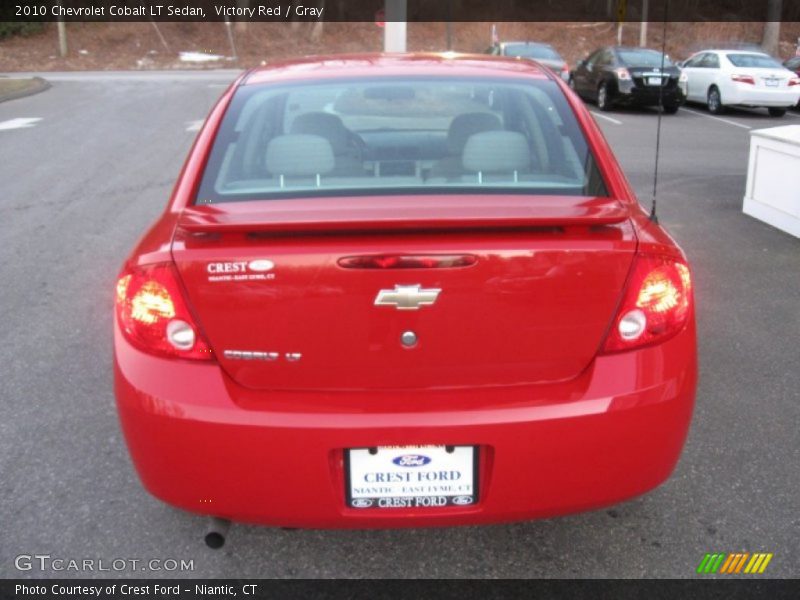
{"x":720,"y":119}
{"x":606,"y":117}
{"x":212,"y":75}
{"x":19,"y":123}
{"x":194,"y":125}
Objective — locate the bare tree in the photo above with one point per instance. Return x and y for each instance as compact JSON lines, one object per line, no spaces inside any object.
{"x":62,"y":36}
{"x":772,"y":27}
{"x":241,"y":24}
{"x":316,"y":30}
{"x":316,"y":27}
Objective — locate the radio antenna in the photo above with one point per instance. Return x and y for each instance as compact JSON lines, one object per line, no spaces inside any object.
{"x":653,"y":215}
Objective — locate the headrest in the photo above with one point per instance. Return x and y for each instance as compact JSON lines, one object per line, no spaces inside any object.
{"x":299,"y":155}
{"x":327,"y":125}
{"x":469,"y":124}
{"x":496,"y":152}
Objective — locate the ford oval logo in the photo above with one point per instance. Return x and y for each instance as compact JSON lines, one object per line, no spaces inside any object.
{"x":260,"y":265}
{"x":462,"y":500}
{"x":411,"y":460}
{"x":361,"y":502}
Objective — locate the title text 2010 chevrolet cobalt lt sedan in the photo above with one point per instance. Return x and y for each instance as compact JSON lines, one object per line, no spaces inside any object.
{"x":398,"y":291}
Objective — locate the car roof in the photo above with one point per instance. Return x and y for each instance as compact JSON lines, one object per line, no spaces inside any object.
{"x":525,"y":43}
{"x":616,"y":48}
{"x":634,"y":48}
{"x":445,"y":64}
{"x":735,"y":50}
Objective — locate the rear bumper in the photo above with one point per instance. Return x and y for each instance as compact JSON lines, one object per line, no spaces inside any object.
{"x":648,"y":96}
{"x":202,"y":443}
{"x":747,"y":95}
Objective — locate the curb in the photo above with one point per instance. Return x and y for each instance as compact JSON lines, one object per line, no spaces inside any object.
{"x":39,"y":85}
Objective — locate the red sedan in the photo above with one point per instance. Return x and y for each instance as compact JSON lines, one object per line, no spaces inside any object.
{"x":395,"y":291}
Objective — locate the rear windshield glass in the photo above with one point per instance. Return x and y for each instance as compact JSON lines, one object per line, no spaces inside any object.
{"x":398,"y":136}
{"x":531,"y":51}
{"x":643,"y":58}
{"x":754,"y":61}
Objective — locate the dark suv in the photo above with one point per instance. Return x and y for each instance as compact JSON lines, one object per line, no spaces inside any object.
{"x":618,"y":75}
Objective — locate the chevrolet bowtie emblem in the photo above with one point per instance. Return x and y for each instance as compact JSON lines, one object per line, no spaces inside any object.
{"x":407,"y":297}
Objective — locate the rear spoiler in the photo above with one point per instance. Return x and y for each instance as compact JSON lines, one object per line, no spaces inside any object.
{"x":401,"y":213}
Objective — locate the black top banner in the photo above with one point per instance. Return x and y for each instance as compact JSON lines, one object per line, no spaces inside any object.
{"x":400,"y":10}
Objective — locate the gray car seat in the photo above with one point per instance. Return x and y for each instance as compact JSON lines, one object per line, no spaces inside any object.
{"x":344,"y":143}
{"x":299,"y":159}
{"x":461,"y":128}
{"x":497,"y":156}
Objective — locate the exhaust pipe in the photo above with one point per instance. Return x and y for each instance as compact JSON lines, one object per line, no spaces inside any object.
{"x":216,"y":531}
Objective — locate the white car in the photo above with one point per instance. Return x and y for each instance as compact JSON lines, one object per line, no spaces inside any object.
{"x":720,"y":78}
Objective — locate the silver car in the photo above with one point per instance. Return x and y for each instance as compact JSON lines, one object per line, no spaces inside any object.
{"x":544,"y":54}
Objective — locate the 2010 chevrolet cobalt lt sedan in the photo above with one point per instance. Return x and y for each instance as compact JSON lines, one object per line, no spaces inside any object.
{"x":406,"y":290}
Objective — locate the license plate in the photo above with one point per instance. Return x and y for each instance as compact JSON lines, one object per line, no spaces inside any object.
{"x":411,"y":476}
{"x":771,"y":82}
{"x":654,"y":81}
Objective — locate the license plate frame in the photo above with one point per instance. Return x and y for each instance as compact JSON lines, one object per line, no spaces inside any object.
{"x":412,"y":493}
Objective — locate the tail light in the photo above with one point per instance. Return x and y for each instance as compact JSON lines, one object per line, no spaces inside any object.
{"x":623,"y":74}
{"x":744,"y":79}
{"x":657,"y":304}
{"x":154,"y":316}
{"x":794,"y":81}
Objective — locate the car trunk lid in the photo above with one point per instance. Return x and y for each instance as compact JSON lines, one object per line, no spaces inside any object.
{"x":767,"y":78}
{"x":289,"y":292}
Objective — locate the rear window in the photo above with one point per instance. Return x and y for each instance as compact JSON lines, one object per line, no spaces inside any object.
{"x":531,"y":51}
{"x":392,"y":136}
{"x":642,"y":58}
{"x":754,"y":61}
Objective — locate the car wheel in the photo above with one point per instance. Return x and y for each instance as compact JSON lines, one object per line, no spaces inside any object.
{"x":777,"y":112}
{"x":671,"y":109}
{"x":603,"y":101}
{"x":714,"y":101}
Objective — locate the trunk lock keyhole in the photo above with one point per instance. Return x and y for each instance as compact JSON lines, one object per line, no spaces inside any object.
{"x":408,"y":339}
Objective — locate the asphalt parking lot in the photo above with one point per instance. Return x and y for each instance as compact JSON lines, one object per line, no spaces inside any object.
{"x":86,"y":165}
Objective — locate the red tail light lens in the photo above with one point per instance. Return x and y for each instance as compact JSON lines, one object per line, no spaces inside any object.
{"x":153,"y":315}
{"x":744,"y":79}
{"x":623,"y":74}
{"x":657,"y":304}
{"x":794,"y":81}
